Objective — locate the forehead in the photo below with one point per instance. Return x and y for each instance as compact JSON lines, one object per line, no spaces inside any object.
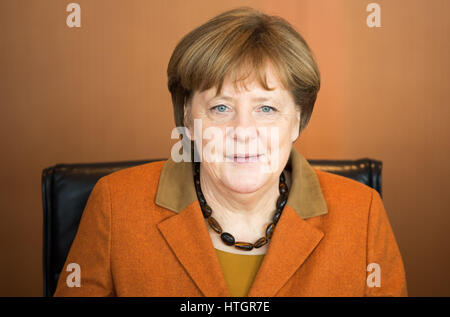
{"x":245,"y":83}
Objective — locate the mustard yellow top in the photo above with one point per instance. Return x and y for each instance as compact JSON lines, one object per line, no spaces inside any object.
{"x":239,"y":271}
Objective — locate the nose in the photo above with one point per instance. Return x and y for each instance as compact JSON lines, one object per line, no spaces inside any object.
{"x":244,"y":127}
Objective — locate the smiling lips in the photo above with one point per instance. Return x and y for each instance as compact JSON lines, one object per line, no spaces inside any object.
{"x":247,"y":158}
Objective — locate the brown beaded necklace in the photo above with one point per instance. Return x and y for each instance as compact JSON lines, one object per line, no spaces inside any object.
{"x":226,"y":237}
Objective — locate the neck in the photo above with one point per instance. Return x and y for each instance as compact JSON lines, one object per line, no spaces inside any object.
{"x":241,"y":211}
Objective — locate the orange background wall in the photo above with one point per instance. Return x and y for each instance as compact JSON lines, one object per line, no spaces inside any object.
{"x":98,"y":93}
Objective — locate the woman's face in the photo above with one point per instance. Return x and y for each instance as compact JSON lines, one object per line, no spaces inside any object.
{"x":249,"y":132}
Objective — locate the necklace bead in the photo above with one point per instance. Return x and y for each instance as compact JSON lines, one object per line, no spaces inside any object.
{"x":283,"y":188}
{"x":260,"y":242}
{"x":201,"y":198}
{"x":276,"y":217}
{"x":207,"y":211}
{"x":282,"y":178}
{"x":244,"y":245}
{"x":281,"y":202}
{"x":215,"y":225}
{"x":227,"y":238}
{"x":269,"y":231}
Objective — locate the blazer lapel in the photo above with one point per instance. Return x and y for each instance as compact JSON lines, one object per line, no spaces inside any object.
{"x":292,"y":242}
{"x":188,"y":237}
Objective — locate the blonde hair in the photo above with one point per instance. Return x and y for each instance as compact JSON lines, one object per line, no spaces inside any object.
{"x":242,"y":38}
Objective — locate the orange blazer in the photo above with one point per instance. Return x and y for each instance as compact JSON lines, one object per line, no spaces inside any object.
{"x":142,"y":233}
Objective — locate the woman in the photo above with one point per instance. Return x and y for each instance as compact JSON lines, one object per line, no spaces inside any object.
{"x":239,"y":220}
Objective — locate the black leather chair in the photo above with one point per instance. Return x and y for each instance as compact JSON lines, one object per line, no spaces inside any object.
{"x":66,"y":188}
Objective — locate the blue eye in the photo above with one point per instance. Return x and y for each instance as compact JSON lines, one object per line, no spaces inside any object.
{"x":267,"y":109}
{"x":220,"y":108}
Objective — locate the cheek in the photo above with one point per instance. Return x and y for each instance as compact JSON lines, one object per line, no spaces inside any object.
{"x":213,"y":142}
{"x":281,"y":133}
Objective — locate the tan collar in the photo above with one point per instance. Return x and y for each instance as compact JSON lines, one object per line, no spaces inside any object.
{"x":176,"y":187}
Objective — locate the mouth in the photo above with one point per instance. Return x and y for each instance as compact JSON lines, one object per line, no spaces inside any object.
{"x":244,"y":158}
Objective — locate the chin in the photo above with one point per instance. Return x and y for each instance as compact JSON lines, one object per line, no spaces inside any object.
{"x":244,"y":187}
{"x":244,"y":180}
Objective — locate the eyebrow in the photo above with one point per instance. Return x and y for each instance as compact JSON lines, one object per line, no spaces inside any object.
{"x":257,"y":99}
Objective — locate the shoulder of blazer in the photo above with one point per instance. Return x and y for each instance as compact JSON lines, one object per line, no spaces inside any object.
{"x":343,"y":193}
{"x":136,"y":179}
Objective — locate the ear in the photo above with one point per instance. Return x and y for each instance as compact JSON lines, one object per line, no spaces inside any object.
{"x":296,"y":126}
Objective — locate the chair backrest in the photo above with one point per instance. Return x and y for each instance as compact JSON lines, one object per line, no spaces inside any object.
{"x":66,"y":189}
